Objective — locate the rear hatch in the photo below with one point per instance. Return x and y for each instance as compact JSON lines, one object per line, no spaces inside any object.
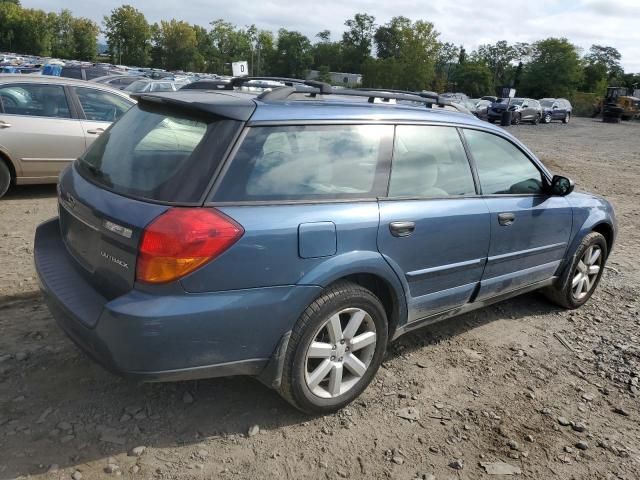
{"x":156,"y":157}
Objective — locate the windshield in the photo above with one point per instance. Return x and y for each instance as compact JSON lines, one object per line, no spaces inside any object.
{"x":547,"y":103}
{"x":159,"y":154}
{"x":138,"y":86}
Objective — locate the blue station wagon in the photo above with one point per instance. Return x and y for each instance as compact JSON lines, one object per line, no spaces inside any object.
{"x":291,"y":236}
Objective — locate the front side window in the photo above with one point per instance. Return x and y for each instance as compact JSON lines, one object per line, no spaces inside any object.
{"x":502,"y":167}
{"x":101,"y":106}
{"x":429,"y":161}
{"x":313,"y":162}
{"x":35,"y":100}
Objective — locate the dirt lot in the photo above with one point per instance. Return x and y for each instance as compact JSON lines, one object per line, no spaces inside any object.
{"x":496,"y":385}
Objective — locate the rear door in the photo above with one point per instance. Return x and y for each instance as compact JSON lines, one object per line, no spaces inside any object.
{"x":38,"y":129}
{"x":99,"y":109}
{"x":529,"y":228}
{"x":434,"y":229}
{"x":559,"y":110}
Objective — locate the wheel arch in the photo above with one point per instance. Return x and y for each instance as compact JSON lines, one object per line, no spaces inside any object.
{"x":606,"y":230}
{"x":12,"y":168}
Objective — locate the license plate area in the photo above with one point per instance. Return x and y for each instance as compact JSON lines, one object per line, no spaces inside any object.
{"x":80,"y":238}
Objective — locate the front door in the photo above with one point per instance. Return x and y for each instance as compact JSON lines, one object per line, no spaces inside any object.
{"x":530,"y":229}
{"x":434,"y":230}
{"x":37,"y":129}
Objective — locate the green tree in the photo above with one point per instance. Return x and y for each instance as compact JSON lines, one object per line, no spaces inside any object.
{"x":474,"y":79}
{"x":409,"y":50}
{"x":498,"y":58}
{"x":327,"y":53}
{"x":10,"y":23}
{"x":357,"y":41}
{"x":14,"y":2}
{"x":230,"y":44}
{"x":601,"y":67}
{"x":128,"y":36}
{"x":176,"y":46}
{"x":293,"y":56}
{"x":62,"y":39}
{"x":85,"y":38}
{"x":555,"y":69}
{"x":265,"y":52}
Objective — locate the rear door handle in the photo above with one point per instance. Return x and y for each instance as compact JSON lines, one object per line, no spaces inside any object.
{"x":402,"y":229}
{"x":506,"y":219}
{"x":4,"y":124}
{"x":96,"y":131}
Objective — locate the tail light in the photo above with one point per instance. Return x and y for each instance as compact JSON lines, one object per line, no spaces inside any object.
{"x":181,"y":240}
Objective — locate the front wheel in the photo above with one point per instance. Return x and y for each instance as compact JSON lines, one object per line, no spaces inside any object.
{"x":5,"y":178}
{"x":547,"y":118}
{"x":335,"y":349}
{"x":580,"y":280}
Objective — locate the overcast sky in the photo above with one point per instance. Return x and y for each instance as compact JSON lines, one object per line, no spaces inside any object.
{"x":468,"y":22}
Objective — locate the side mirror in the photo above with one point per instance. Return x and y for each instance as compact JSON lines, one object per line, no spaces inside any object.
{"x":525,"y":106}
{"x":561,"y":186}
{"x":555,"y":107}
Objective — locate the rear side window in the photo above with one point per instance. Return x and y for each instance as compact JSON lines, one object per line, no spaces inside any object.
{"x":71,"y":73}
{"x":101,"y":106}
{"x":312,"y":162}
{"x":429,"y":161}
{"x":158,"y":154}
{"x":502,"y":167}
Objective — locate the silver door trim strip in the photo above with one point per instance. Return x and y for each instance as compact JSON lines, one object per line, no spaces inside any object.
{"x":444,"y":268}
{"x":523,"y":253}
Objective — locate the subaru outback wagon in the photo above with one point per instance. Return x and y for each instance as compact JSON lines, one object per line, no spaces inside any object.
{"x":221,"y":233}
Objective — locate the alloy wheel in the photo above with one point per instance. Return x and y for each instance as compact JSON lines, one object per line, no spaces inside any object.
{"x":340,"y":353}
{"x":547,"y":118}
{"x":586,"y":272}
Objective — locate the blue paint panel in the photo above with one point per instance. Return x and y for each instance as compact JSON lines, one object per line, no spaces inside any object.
{"x":268,"y":252}
{"x":519,"y":252}
{"x":491,"y":287}
{"x":445,"y":253}
{"x":317,"y":239}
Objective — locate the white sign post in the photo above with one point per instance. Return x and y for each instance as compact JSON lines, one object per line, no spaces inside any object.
{"x":240,"y":69}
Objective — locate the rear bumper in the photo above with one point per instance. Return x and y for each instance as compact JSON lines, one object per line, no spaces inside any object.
{"x":166,"y":337}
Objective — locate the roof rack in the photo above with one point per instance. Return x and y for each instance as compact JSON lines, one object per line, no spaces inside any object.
{"x":323,"y":88}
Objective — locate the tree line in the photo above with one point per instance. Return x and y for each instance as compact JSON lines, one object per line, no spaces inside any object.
{"x":401,"y":53}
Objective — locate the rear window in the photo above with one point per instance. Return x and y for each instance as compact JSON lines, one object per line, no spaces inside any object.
{"x":160,"y":154}
{"x":312,"y":162}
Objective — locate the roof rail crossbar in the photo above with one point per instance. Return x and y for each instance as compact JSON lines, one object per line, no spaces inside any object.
{"x":239,"y":81}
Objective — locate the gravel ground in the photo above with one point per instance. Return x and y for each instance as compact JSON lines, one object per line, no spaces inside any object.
{"x":521,"y":386}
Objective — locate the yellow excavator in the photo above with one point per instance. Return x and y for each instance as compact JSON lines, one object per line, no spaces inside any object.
{"x":621,"y":97}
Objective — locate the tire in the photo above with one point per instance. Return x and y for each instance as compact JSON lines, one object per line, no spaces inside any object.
{"x":564,"y":292}
{"x":566,"y":118}
{"x":5,"y":178}
{"x":547,"y":118}
{"x":517,"y":119}
{"x":340,"y":304}
{"x":536,"y":119}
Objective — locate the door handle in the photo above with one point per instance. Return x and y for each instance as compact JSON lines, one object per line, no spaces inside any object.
{"x":4,"y":124}
{"x":506,"y":219}
{"x":402,"y":229}
{"x":96,"y":131}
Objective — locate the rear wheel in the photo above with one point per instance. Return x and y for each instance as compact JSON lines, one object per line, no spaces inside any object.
{"x":566,"y":118}
{"x":536,"y":119}
{"x":335,"y":349}
{"x":517,"y":119}
{"x":580,"y":280}
{"x":5,"y":178}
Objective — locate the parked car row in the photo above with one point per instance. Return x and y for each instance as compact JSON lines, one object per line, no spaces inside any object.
{"x":47,"y":122}
{"x":522,"y":110}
